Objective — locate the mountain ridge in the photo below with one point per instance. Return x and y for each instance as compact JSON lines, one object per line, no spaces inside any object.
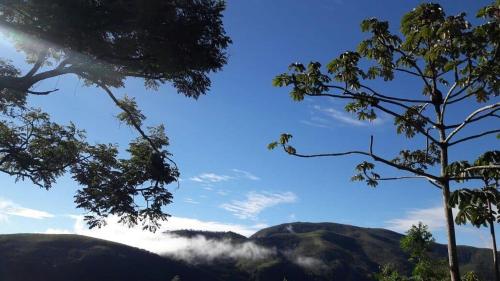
{"x":296,"y":251}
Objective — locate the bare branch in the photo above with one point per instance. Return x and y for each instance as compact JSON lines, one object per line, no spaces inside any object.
{"x":39,"y":62}
{"x":375,"y":93}
{"x":370,"y":154}
{"x":402,"y":177}
{"x":451,"y":99}
{"x":474,"y":137}
{"x":450,"y":91}
{"x":435,"y":184}
{"x":409,"y":72}
{"x":490,"y":114}
{"x":41,"y":93}
{"x":482,"y":167}
{"x":469,"y":119}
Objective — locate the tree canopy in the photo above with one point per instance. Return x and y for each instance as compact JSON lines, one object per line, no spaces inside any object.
{"x":104,"y":43}
{"x":455,"y":63}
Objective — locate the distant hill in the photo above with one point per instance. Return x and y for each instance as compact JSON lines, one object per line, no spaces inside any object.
{"x":218,"y":235}
{"x":345,"y":252}
{"x":64,"y":257}
{"x":300,"y":251}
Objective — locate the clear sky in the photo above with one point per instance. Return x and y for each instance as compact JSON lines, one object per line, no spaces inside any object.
{"x":230,"y":181}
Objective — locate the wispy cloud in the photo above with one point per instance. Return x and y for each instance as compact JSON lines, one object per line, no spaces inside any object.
{"x":222,"y":192}
{"x":343,"y":116}
{"x":9,"y":208}
{"x":255,"y":203}
{"x":246,"y":174}
{"x":191,"y":201}
{"x":211,"y":178}
{"x":162,"y":242}
{"x":432,"y":217}
{"x":327,"y":117}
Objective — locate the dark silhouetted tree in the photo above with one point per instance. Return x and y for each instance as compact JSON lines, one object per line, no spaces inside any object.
{"x":454,"y":62}
{"x":104,"y":43}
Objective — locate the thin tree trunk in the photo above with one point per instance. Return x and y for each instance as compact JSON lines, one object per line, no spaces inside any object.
{"x":494,"y":242}
{"x":448,"y":213}
{"x":452,"y":243}
{"x":495,"y":258}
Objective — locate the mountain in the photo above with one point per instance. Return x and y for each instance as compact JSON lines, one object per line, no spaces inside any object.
{"x":216,"y":235}
{"x":345,"y":252}
{"x":298,"y":251}
{"x":63,"y":257}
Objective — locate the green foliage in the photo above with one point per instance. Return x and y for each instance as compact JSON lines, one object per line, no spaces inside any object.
{"x":418,"y":160}
{"x":32,"y":147}
{"x":365,"y":174}
{"x":417,"y":244}
{"x":111,"y":184}
{"x":476,"y":205}
{"x":389,"y":272}
{"x":92,"y":38}
{"x":454,"y":61}
{"x":470,"y":276}
{"x":131,"y":114}
{"x":433,"y":48}
{"x":178,"y":42}
{"x":283,"y":142}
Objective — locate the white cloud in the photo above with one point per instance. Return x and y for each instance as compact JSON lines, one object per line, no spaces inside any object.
{"x":9,"y":208}
{"x":329,"y":115}
{"x":339,"y":115}
{"x":257,"y":202}
{"x":191,"y":201}
{"x":57,"y":231}
{"x":432,"y":217}
{"x":196,"y":248}
{"x":210,"y":178}
{"x":314,"y":124}
{"x":309,"y":263}
{"x":200,"y":249}
{"x":222,"y":192}
{"x":246,"y":174}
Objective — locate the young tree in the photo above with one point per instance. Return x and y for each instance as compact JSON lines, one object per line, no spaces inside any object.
{"x":476,"y":205}
{"x":104,"y":43}
{"x":418,"y":243}
{"x":389,"y":272}
{"x":455,"y":63}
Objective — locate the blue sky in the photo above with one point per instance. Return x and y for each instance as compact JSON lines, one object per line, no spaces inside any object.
{"x":229,"y":179}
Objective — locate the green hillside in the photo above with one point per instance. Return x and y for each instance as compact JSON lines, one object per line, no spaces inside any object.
{"x":62,"y":257}
{"x":300,"y":251}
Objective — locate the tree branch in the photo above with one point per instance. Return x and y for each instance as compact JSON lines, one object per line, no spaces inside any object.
{"x":132,"y":121}
{"x":39,"y":62}
{"x":354,"y":96}
{"x":41,"y":93}
{"x":469,"y":119}
{"x":370,"y":154}
{"x":375,"y":93}
{"x":482,"y":167}
{"x":445,"y":101}
{"x":474,"y":137}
